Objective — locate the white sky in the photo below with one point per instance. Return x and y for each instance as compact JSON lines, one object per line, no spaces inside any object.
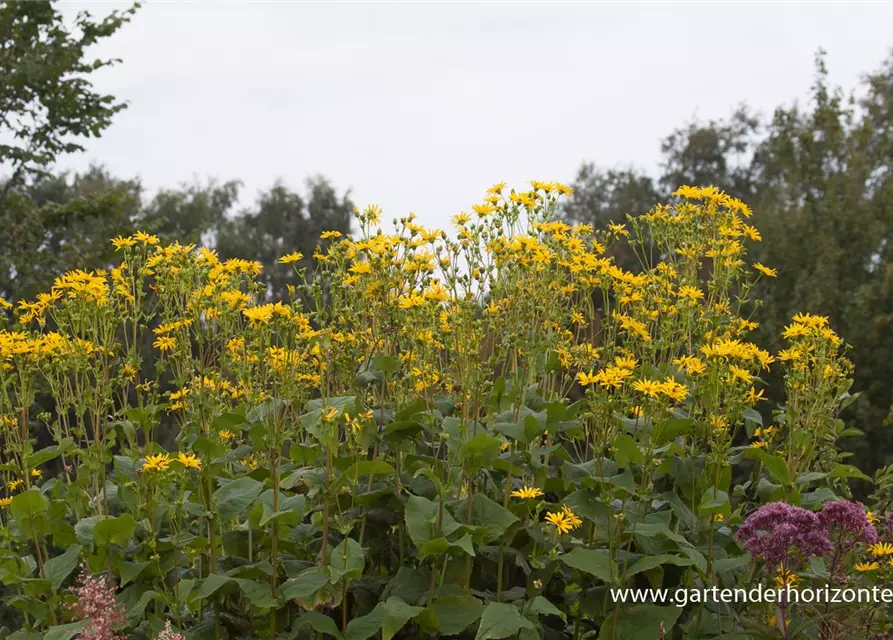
{"x":420,"y":107}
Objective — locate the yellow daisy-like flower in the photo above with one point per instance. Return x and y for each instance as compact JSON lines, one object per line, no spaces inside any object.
{"x":650,"y":388}
{"x":165,"y":343}
{"x":250,"y":462}
{"x":325,"y":235}
{"x":867,"y":566}
{"x":786,"y":578}
{"x":291,"y":257}
{"x":559,"y":521}
{"x":881,"y":549}
{"x":872,"y":517}
{"x":189,"y":460}
{"x":225,"y":435}
{"x":5,"y":502}
{"x":766,"y":271}
{"x":36,"y":473}
{"x":526,"y":493}
{"x":12,"y":485}
{"x":145,"y":238}
{"x":158,"y":462}
{"x":121,"y":242}
{"x":586,"y":379}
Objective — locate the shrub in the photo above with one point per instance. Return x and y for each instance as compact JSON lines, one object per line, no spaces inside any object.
{"x":476,"y":435}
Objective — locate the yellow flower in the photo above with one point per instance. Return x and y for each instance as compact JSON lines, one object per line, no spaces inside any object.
{"x":881,"y":549}
{"x":361,"y":268}
{"x":5,"y":502}
{"x":872,"y":517}
{"x":145,"y":238}
{"x":291,"y":257}
{"x":559,"y":521}
{"x":225,"y":435}
{"x":739,"y":374}
{"x":121,"y":242}
{"x":786,"y":578}
{"x":758,"y":445}
{"x":158,"y":462}
{"x":766,"y":271}
{"x":526,"y":493}
{"x":650,"y":388}
{"x":329,"y":234}
{"x":461,"y":218}
{"x":250,"y":462}
{"x":36,"y":473}
{"x":165,"y":343}
{"x":564,"y":521}
{"x":189,"y":460}
{"x":586,"y":379}
{"x":867,"y":566}
{"x":12,"y":485}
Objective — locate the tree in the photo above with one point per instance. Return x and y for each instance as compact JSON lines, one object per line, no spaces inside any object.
{"x":819,"y":181}
{"x":47,"y":101}
{"x":284,"y":223}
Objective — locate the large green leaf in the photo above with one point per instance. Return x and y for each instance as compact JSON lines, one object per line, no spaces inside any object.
{"x":233,"y":498}
{"x":494,"y":519}
{"x":318,"y":622}
{"x":362,"y":468}
{"x":27,"y":508}
{"x":649,"y":562}
{"x":421,"y":519}
{"x":64,"y":631}
{"x":346,"y":561}
{"x":58,"y":568}
{"x":395,"y":614}
{"x":500,"y":620}
{"x":641,"y":622}
{"x":595,"y":562}
{"x":305,"y":584}
{"x":453,"y":614}
{"x":114,"y":530}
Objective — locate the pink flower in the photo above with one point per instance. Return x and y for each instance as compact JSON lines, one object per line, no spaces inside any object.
{"x":96,"y":604}
{"x":168,"y":633}
{"x":778,"y":533}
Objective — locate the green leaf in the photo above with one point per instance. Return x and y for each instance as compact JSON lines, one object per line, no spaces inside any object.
{"x":44,"y":455}
{"x":421,"y":517}
{"x":258,"y":593}
{"x":58,"y":568}
{"x":395,"y":614}
{"x":671,"y":429}
{"x":626,"y":451}
{"x":319,"y":623}
{"x":27,"y":506}
{"x":595,"y":562}
{"x":649,"y":562}
{"x":714,"y":501}
{"x":286,"y":517}
{"x":500,"y":620}
{"x":233,"y":498}
{"x":64,"y":631}
{"x":848,"y":471}
{"x":454,"y":614}
{"x":775,"y":466}
{"x":480,"y":450}
{"x":346,"y":561}
{"x":542,"y":607}
{"x":305,"y":584}
{"x":363,"y":468}
{"x":209,"y":586}
{"x":114,"y":530}
{"x":366,"y":626}
{"x":494,"y":519}
{"x":641,"y":622}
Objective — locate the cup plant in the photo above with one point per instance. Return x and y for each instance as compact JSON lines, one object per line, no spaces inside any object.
{"x":476,"y":435}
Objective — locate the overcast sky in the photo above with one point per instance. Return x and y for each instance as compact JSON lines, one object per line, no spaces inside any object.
{"x":420,"y":107}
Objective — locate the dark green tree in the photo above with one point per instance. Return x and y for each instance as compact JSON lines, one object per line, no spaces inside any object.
{"x":47,"y":102}
{"x":284,"y":222}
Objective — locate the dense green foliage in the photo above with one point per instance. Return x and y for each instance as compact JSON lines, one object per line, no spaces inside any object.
{"x":818,"y":179}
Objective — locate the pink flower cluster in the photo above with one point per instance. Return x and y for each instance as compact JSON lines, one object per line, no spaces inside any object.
{"x":96,"y":604}
{"x":779,"y":533}
{"x":168,"y":633}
